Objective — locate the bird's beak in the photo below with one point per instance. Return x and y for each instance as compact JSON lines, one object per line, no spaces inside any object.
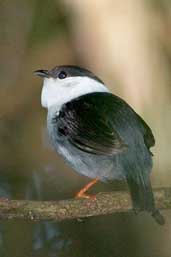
{"x":41,"y":73}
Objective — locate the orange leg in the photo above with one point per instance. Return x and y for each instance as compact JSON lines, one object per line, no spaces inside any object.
{"x":82,"y":194}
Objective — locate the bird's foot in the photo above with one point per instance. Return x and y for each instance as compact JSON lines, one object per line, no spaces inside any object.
{"x":85,"y":196}
{"x":82,"y":192}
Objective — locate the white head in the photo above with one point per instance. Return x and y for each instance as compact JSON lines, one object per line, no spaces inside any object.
{"x":64,"y":83}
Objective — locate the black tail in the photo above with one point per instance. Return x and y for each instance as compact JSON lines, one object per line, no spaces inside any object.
{"x":142,"y":197}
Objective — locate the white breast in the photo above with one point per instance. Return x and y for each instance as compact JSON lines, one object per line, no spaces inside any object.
{"x":57,"y":92}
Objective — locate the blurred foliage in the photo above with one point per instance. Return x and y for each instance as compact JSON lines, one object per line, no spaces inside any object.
{"x":49,"y":21}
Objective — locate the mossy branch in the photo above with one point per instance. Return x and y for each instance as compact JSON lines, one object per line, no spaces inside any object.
{"x":106,"y":203}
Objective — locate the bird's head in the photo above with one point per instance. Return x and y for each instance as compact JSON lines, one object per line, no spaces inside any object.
{"x":64,"y":83}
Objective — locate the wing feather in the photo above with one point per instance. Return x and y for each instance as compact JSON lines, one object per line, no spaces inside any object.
{"x":87,"y":125}
{"x":95,"y":122}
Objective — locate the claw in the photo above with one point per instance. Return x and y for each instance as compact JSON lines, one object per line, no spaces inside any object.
{"x":85,"y":196}
{"x":82,"y":194}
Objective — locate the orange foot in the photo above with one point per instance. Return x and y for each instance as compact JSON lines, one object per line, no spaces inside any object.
{"x":85,"y":196}
{"x":82,"y":194}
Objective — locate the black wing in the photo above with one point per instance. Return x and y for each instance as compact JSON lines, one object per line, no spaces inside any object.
{"x":87,"y":124}
{"x":149,"y":139}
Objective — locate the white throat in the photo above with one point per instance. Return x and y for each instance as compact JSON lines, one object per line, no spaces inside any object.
{"x":56,"y":92}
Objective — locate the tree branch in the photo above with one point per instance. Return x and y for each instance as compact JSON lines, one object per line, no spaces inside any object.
{"x":106,"y":203}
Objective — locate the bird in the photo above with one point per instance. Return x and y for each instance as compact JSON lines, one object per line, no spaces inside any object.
{"x":98,"y":133}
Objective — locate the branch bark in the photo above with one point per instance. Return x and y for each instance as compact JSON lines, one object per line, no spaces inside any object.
{"x":106,"y":203}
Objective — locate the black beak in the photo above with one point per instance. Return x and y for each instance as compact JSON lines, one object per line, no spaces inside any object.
{"x":41,"y":73}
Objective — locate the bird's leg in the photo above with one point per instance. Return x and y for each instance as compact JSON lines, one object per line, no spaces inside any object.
{"x":82,"y":194}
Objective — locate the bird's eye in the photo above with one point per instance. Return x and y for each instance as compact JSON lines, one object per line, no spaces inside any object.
{"x":62,"y":75}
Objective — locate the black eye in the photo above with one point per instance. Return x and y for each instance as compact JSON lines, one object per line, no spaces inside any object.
{"x":62,"y":75}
